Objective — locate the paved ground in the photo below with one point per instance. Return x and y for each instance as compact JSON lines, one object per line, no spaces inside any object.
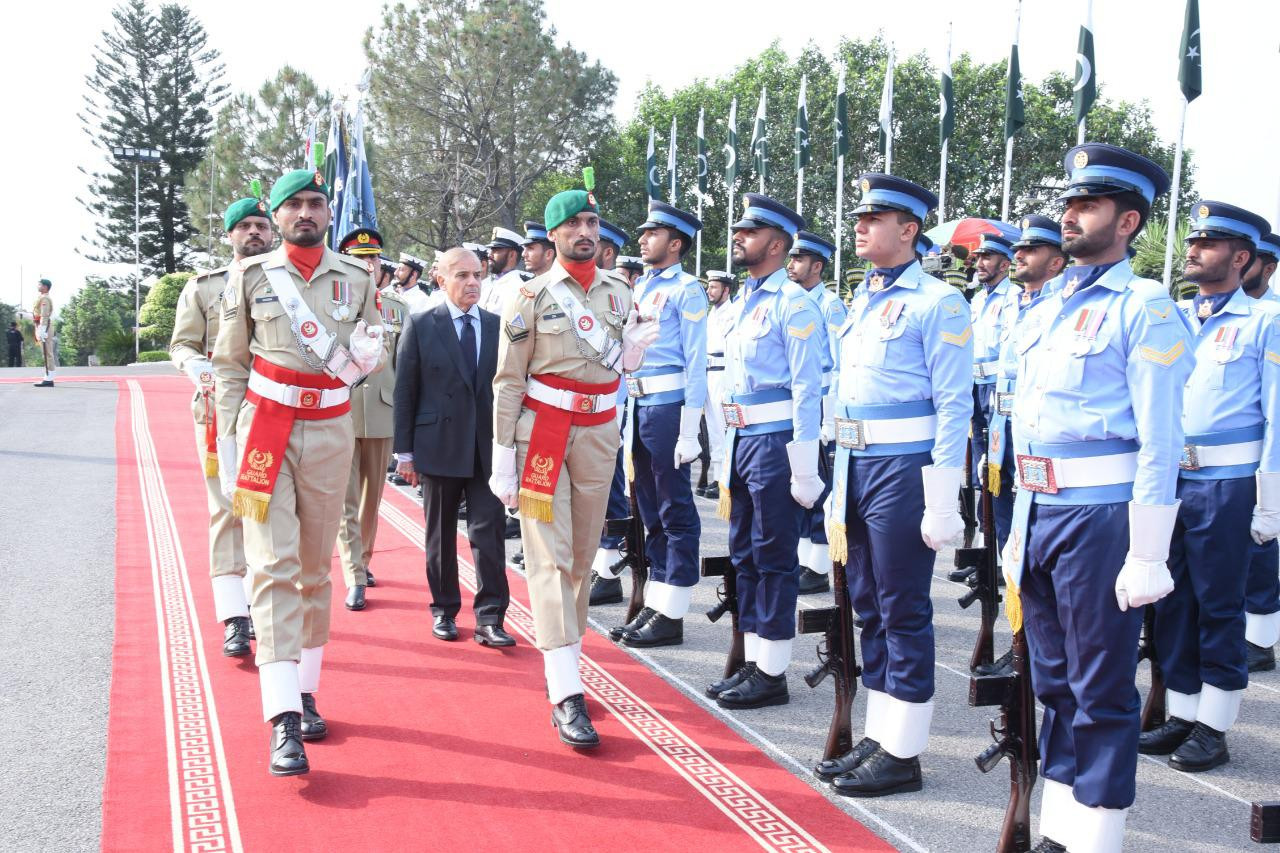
{"x":57,"y":458}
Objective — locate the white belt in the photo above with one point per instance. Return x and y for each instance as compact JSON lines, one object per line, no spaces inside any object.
{"x":715,"y":361}
{"x":737,"y":415}
{"x":571,"y":401}
{"x":982,"y":370}
{"x":643,"y":386}
{"x":1197,"y":456}
{"x":827,"y":377}
{"x":858,"y":434}
{"x":296,"y":395}
{"x":1051,"y":474}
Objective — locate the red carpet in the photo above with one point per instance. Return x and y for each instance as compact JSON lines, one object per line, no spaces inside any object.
{"x":431,"y":746}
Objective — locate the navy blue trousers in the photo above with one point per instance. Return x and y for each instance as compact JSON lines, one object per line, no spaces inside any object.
{"x":1200,"y":625}
{"x":1084,"y":650}
{"x":764,"y":527}
{"x":664,"y":495}
{"x":814,"y":525}
{"x":619,"y":505}
{"x":1262,"y":589}
{"x":890,"y":570}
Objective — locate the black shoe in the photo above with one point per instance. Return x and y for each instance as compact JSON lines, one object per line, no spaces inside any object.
{"x":880,"y":774}
{"x":731,"y":680}
{"x":517,"y":559}
{"x":658,"y":631}
{"x":758,"y":690}
{"x":493,"y":636}
{"x":645,"y":614}
{"x":962,"y":575}
{"x":605,"y":590}
{"x":235,"y":639}
{"x":571,"y":720}
{"x":445,"y":629}
{"x":368,"y":579}
{"x":712,"y":492}
{"x":811,"y":582}
{"x":1048,"y":845}
{"x":462,"y":510}
{"x":397,"y":480}
{"x":1204,"y":749}
{"x":513,"y":528}
{"x":1002,"y":665}
{"x":701,"y":491}
{"x":288,"y":757}
{"x":355,"y":597}
{"x":313,"y":725}
{"x":830,"y":768}
{"x":253,"y":635}
{"x":48,"y":383}
{"x":1260,"y":659}
{"x":1166,"y":737}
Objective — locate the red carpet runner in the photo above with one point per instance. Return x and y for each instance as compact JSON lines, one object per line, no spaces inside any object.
{"x":431,"y":746}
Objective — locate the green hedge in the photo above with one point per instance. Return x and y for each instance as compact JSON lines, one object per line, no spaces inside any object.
{"x":153,"y":355}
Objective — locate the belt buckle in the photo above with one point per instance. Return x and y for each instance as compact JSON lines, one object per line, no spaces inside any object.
{"x":1190,"y":460}
{"x":734,"y":415}
{"x":1004,"y":402}
{"x":635,"y":387}
{"x":977,"y":371}
{"x":1035,"y":474}
{"x":308,"y":398}
{"x":584,"y":403}
{"x":851,"y":434}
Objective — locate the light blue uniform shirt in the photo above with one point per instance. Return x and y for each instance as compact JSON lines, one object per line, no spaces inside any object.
{"x":1116,"y":375}
{"x":1236,"y":381}
{"x":911,"y":342}
{"x":775,"y":341}
{"x":991,"y":313}
{"x":682,"y":332}
{"x":833,"y":316}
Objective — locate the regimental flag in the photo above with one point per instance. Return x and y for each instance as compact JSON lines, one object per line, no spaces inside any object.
{"x":358,"y":210}
{"x":671,"y":161}
{"x":335,"y":167}
{"x":702,"y":155}
{"x":1015,"y":115}
{"x":759,"y":144}
{"x":842,"y":118}
{"x":1189,"y":55}
{"x":651,"y":169}
{"x":731,"y":148}
{"x":946,"y":99}
{"x":802,"y":128}
{"x":1086,"y":89}
{"x":886,"y":105}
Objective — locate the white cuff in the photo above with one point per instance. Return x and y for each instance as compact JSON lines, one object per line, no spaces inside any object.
{"x":877,"y":714}
{"x":1262,"y":629}
{"x":905,"y":732}
{"x":1055,"y":811}
{"x":1268,"y":491}
{"x":309,"y":669}
{"x":803,"y":456}
{"x":1184,"y":706}
{"x":280,"y":692}
{"x":1218,"y":708}
{"x":774,"y":656}
{"x":690,"y":422}
{"x":942,"y":488}
{"x":561,"y":668}
{"x":1151,"y":529}
{"x":229,"y":597}
{"x":504,"y":460}
{"x":1095,"y":829}
{"x":671,"y":601}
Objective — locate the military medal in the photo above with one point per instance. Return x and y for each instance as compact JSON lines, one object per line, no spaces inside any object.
{"x":889,"y":317}
{"x":1088,"y":323}
{"x":1205,"y":311}
{"x":342,"y":300}
{"x":1224,"y":343}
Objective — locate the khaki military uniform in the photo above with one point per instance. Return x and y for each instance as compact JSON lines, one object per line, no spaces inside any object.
{"x":195,"y":328}
{"x":371,"y":403}
{"x":289,"y":552}
{"x":42,"y":315}
{"x":558,"y":554}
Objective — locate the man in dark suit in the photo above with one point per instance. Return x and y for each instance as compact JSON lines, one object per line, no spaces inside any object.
{"x":444,"y":438}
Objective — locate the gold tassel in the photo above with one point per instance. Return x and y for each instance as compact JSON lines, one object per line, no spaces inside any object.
{"x":993,"y":479}
{"x":211,"y":464}
{"x":725,"y":505}
{"x":535,"y":506}
{"x":838,"y":540}
{"x":247,"y":504}
{"x":1012,"y":606}
{"x":629,"y":467}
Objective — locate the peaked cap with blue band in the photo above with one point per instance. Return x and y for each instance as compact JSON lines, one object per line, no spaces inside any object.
{"x":612,"y":233}
{"x":1098,"y":169}
{"x":1039,"y":230}
{"x":534,"y":232}
{"x":663,"y":215}
{"x":1216,"y":220}
{"x":924,"y":245}
{"x":628,"y":262}
{"x":764,"y":212}
{"x":882,"y":192}
{"x":995,"y":244}
{"x":808,"y":243}
{"x":1270,"y":245}
{"x":243,"y":209}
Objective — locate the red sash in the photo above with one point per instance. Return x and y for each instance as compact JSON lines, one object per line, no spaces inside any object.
{"x":548,"y":440}
{"x":269,"y":435}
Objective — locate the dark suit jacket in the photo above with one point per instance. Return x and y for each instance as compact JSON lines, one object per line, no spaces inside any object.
{"x":440,"y":417}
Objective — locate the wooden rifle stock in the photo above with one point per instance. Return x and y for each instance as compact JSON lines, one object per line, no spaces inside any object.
{"x":985,"y":582}
{"x":722,"y":567}
{"x":836,"y":657}
{"x":1154,"y":712}
{"x":1015,"y":739}
{"x":636,"y":558}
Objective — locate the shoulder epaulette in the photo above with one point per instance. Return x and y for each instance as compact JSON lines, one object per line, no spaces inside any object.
{"x":355,"y":262}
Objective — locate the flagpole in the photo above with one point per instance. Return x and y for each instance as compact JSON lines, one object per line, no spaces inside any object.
{"x":839,"y":215}
{"x":942,"y":183}
{"x":697,"y":261}
{"x":1080,"y":133}
{"x":1008,"y":146}
{"x":1173,"y":199}
{"x":671,"y":160}
{"x":728,"y":221}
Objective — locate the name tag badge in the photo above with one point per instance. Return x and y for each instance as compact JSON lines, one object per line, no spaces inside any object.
{"x":554,"y":315}
{"x":261,"y":299}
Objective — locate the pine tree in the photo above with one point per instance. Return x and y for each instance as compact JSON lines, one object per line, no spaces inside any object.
{"x":154,"y":85}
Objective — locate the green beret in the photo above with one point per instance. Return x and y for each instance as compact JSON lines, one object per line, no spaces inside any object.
{"x":292,"y":183}
{"x":241,"y":209}
{"x":46,"y":282}
{"x":566,"y":204}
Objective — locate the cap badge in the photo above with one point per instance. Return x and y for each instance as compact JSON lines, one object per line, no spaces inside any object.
{"x":362,"y":237}
{"x":1026,"y":223}
{"x":262,"y":205}
{"x":866,"y":185}
{"x":1081,"y":160}
{"x":1203,"y":211}
{"x":319,"y":179}
{"x":1205,"y":310}
{"x":591,"y":199}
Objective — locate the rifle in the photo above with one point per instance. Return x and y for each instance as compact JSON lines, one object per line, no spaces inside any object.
{"x":968,"y":511}
{"x":722,"y":567}
{"x":836,"y":656}
{"x":984,"y":583}
{"x":1015,"y":738}
{"x":636,"y":558}
{"x":1153,"y":710}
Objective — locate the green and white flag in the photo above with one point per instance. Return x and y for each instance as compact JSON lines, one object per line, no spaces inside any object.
{"x":842,"y":118}
{"x":731,"y":149}
{"x":759,"y":144}
{"x":1086,"y":89}
{"x":946,"y":100}
{"x":1015,"y":115}
{"x":1189,"y":61}
{"x":802,"y":128}
{"x":651,"y":169}
{"x":886,"y":113}
{"x":702,"y":155}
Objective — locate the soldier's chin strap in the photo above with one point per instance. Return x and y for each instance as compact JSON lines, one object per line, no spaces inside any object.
{"x":314,"y":339}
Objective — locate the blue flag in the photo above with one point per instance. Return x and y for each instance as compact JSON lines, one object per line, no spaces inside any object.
{"x":335,"y":175}
{"x":358,"y":210}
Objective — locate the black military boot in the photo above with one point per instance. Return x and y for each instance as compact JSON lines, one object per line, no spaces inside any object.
{"x":961,"y":575}
{"x":288,"y":757}
{"x":1260,"y":659}
{"x":829,"y":768}
{"x":235,"y":637}
{"x":880,"y":774}
{"x":570,"y":719}
{"x":712,"y":492}
{"x":313,"y":725}
{"x":1166,"y":737}
{"x":1048,"y":845}
{"x":1204,"y":749}
{"x":758,"y":690}
{"x":811,"y":582}
{"x":1002,"y":665}
{"x":355,"y":597}
{"x":517,"y":559}
{"x":645,"y":614}
{"x":368,"y":579}
{"x":512,"y":530}
{"x":733,"y":679}
{"x":605,"y":590}
{"x":659,"y":630}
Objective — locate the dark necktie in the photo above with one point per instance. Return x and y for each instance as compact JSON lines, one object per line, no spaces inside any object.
{"x":468,"y":342}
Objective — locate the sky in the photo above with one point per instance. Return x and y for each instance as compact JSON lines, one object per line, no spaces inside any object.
{"x":46,"y":49}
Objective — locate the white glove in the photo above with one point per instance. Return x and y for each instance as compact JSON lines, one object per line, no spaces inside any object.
{"x":503,"y":482}
{"x":199,"y":371}
{"x":1266,"y":515}
{"x":228,"y":465}
{"x":366,"y":346}
{"x":1144,"y":578}
{"x":41,"y":334}
{"x":828,"y":431}
{"x":637,"y":335}
{"x":941,"y":524}
{"x":806,"y":485}
{"x":687,"y":446}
